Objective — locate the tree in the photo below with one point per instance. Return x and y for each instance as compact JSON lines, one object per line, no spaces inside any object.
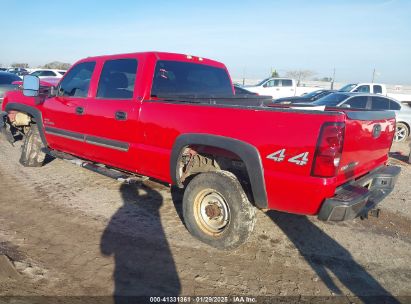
{"x":326,"y":79}
{"x":300,"y":74}
{"x":20,"y":65}
{"x":274,"y":73}
{"x":57,"y":65}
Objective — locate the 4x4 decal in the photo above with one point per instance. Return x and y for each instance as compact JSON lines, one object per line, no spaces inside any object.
{"x":279,"y":156}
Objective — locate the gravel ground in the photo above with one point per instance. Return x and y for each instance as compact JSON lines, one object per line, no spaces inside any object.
{"x":71,"y":232}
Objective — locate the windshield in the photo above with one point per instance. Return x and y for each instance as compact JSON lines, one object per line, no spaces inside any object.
{"x":261,"y":82}
{"x":348,"y":87}
{"x":331,"y":100}
{"x":312,"y":94}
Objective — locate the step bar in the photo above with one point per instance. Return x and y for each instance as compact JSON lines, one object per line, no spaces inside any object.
{"x":101,"y":169}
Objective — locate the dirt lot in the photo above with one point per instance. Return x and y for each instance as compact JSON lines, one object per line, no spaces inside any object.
{"x":69,"y":231}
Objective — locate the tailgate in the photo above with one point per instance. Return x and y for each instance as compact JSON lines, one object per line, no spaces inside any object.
{"x":368,"y":139}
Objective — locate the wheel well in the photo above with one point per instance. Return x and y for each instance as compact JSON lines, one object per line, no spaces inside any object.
{"x":33,"y":113}
{"x":196,"y":159}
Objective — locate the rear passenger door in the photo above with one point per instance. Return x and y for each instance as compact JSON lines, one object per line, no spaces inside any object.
{"x":113,"y":125}
{"x":286,"y":89}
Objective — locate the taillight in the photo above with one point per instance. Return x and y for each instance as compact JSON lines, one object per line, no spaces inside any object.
{"x":329,"y":149}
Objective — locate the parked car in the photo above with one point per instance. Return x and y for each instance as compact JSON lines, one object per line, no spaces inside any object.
{"x":309,"y":97}
{"x":47,"y":73}
{"x":6,"y":83}
{"x":375,"y":88}
{"x":18,"y":71}
{"x":372,"y":102}
{"x":239,"y":90}
{"x":279,"y":87}
{"x":133,"y":115}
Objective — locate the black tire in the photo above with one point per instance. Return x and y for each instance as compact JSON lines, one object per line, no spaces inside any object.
{"x":32,"y":154}
{"x":214,"y":187}
{"x":401,"y":132}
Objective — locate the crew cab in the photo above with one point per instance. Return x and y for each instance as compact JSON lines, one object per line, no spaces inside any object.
{"x":375,"y":88}
{"x":279,"y":88}
{"x":175,"y":118}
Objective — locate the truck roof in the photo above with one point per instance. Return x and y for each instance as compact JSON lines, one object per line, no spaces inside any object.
{"x":368,"y":83}
{"x":160,"y":56}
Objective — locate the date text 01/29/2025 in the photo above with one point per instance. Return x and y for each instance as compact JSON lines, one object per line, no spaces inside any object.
{"x":204,"y":299}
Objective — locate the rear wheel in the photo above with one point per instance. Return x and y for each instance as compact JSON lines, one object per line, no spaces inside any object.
{"x":217,"y":211}
{"x":401,"y":132}
{"x":32,"y":154}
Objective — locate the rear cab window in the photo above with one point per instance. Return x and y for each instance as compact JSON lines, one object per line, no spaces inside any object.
{"x":186,"y":78}
{"x":77,"y":81}
{"x":117,"y":79}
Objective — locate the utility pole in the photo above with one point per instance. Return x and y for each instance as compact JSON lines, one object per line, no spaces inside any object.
{"x":373,"y":76}
{"x":332,"y":81}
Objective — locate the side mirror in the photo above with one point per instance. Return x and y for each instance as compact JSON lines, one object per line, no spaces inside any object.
{"x":345,"y":106}
{"x":31,"y":86}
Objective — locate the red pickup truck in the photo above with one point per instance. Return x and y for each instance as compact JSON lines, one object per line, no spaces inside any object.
{"x":175,"y":118}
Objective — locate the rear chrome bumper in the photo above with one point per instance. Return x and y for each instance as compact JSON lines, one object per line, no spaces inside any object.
{"x":359,"y":197}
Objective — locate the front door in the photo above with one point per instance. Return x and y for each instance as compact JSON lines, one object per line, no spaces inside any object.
{"x":113,"y":116}
{"x":64,"y":115}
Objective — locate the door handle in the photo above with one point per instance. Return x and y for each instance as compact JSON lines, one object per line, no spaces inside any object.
{"x":80,"y":110}
{"x":121,"y":115}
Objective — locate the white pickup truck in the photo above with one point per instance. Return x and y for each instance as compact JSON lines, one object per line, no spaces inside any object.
{"x":280,"y":87}
{"x":375,"y":88}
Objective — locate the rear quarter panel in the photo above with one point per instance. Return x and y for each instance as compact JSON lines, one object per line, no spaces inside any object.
{"x":289,"y":185}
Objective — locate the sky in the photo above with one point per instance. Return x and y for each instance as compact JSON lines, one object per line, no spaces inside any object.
{"x":250,"y":37}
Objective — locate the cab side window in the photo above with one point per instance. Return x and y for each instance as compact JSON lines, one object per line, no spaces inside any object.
{"x":47,"y":74}
{"x":359,"y":102}
{"x":117,"y":79}
{"x":77,"y":81}
{"x":379,"y":103}
{"x":363,"y":89}
{"x":287,"y":83}
{"x":377,"y":89}
{"x":272,"y":83}
{"x":394,"y":106}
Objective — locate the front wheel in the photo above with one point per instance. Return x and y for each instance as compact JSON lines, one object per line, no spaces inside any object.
{"x":401,"y":132}
{"x":32,"y":154}
{"x":216,"y":210}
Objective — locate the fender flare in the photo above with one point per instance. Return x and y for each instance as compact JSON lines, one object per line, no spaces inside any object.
{"x":14,"y":106}
{"x":247,"y":152}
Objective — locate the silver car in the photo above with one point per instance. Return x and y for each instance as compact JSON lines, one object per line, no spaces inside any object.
{"x":372,"y":102}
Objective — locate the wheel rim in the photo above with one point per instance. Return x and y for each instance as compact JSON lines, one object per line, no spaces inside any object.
{"x":211,"y":212}
{"x":400,"y":133}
